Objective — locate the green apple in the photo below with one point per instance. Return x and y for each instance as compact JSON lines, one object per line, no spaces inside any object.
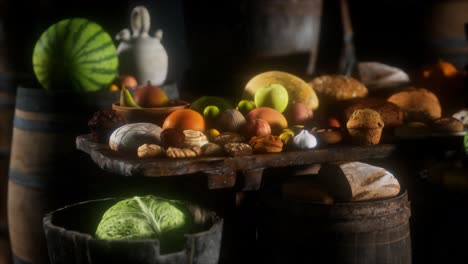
{"x":244,"y":106}
{"x":274,"y":96}
{"x":211,"y":112}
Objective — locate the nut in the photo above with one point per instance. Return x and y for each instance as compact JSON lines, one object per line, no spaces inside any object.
{"x":150,"y":151}
{"x":231,"y":120}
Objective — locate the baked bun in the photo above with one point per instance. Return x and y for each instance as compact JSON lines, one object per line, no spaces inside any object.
{"x":365,"y":127}
{"x":338,"y":87}
{"x":418,"y":104}
{"x":462,"y":115}
{"x":447,"y":124}
{"x":390,"y":113}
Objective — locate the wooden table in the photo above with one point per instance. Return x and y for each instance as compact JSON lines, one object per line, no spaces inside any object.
{"x":243,"y":176}
{"x":244,"y":172}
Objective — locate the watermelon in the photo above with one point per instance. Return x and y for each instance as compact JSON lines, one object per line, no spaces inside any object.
{"x":75,"y":54}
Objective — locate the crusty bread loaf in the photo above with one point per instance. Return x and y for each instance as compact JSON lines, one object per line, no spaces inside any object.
{"x":418,"y":104}
{"x":338,"y":87}
{"x":357,"y":181}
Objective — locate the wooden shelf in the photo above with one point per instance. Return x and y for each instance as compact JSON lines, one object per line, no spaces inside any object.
{"x":224,"y":172}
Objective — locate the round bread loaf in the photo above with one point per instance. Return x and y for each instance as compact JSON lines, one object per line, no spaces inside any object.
{"x":390,"y":113}
{"x":338,"y":87}
{"x":418,"y":104}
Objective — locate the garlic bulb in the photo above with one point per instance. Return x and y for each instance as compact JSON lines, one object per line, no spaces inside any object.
{"x":305,"y":140}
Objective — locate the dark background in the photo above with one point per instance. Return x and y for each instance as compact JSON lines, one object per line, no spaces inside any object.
{"x":208,"y":41}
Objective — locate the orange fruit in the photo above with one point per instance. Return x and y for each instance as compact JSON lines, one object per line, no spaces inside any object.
{"x":440,"y":69}
{"x":184,"y":119}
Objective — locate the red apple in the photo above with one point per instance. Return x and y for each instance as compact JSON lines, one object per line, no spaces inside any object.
{"x":299,"y":114}
{"x":129,"y":81}
{"x":256,"y":127}
{"x":150,"y":96}
{"x":332,"y":122}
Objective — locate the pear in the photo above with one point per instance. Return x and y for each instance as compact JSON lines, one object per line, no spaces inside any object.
{"x":126,"y":99}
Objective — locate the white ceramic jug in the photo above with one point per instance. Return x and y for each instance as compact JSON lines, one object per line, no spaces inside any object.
{"x":140,"y":54}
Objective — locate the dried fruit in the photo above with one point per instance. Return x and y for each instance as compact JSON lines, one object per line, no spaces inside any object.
{"x":172,"y":137}
{"x":103,"y":123}
{"x":266,"y":144}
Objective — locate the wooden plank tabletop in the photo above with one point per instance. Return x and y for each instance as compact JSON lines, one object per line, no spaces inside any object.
{"x":222,"y":171}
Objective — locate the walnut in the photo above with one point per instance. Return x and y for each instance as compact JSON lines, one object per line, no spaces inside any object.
{"x":150,"y":151}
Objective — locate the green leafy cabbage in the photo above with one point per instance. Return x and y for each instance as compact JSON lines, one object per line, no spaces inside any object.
{"x":146,"y":217}
{"x":465,"y":143}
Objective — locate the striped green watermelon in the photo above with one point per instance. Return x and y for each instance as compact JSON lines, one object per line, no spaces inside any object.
{"x":75,"y":54}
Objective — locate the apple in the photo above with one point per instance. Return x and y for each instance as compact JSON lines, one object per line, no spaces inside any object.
{"x":129,"y":81}
{"x":275,"y":119}
{"x":332,"y":122}
{"x":299,"y":114}
{"x":150,"y":96}
{"x":273,"y":95}
{"x":211,"y":114}
{"x":245,"y":106}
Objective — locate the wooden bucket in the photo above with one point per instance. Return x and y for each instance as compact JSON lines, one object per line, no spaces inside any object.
{"x":69,"y":232}
{"x":46,"y":171}
{"x":358,"y":233}
{"x":446,"y":34}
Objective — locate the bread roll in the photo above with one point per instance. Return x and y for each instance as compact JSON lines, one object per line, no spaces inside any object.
{"x":418,"y":104}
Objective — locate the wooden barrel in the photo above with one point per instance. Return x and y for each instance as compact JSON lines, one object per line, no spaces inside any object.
{"x":8,"y":84}
{"x":446,"y":21}
{"x":46,"y":171}
{"x":358,"y":233}
{"x":68,"y":237}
